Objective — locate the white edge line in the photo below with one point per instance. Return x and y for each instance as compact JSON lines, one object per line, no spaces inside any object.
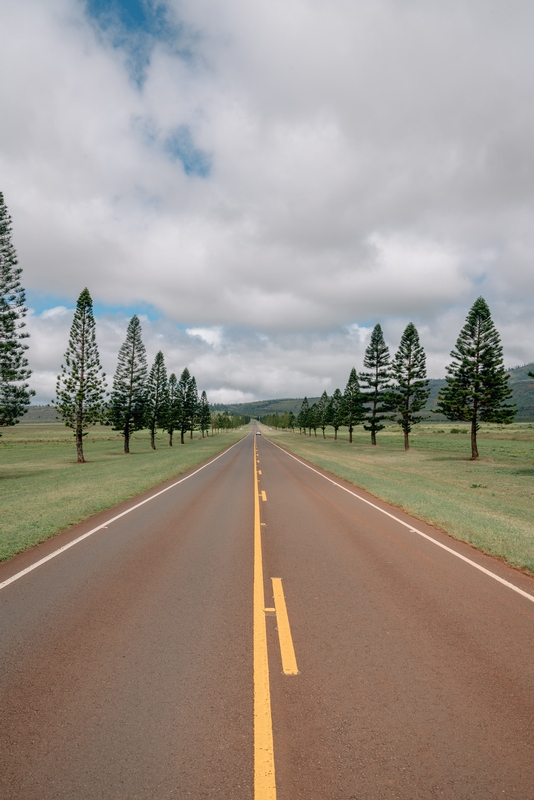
{"x":411,"y":527}
{"x":113,"y":519}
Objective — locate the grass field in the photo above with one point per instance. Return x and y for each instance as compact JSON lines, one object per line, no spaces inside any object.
{"x":488,"y":503}
{"x":43,"y":491}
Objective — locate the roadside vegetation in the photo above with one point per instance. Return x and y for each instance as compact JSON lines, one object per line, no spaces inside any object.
{"x":43,"y":491}
{"x":488,"y":502}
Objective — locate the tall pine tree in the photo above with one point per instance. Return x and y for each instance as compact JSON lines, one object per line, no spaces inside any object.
{"x":195,"y":405}
{"x":157,"y":398}
{"x":353,"y":410}
{"x":303,"y":415}
{"x":204,"y":415}
{"x":172,"y":417}
{"x":322,"y":407}
{"x":477,"y":384}
{"x":376,"y":383}
{"x":410,"y":391}
{"x":15,"y":395}
{"x":127,"y":409}
{"x":314,"y":419}
{"x":186,"y":403}
{"x":81,"y":388}
{"x":334,"y":412}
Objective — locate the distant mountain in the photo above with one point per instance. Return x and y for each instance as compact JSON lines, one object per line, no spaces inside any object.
{"x":522,"y":387}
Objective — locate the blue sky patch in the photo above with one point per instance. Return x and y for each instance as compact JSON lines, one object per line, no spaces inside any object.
{"x":42,"y":301}
{"x":181,"y":147}
{"x":134,"y":26}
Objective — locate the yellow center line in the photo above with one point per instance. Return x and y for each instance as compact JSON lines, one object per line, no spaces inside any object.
{"x":264,"y":777}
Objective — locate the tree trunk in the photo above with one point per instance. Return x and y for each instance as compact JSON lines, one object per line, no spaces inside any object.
{"x":373,"y":437}
{"x":324,"y":435}
{"x":127,"y":439}
{"x":79,"y":444}
{"x":191,"y":434}
{"x":153,"y":438}
{"x":406,"y":442}
{"x":335,"y":434}
{"x":474,"y":448}
{"x":350,"y":435}
{"x":170,"y":438}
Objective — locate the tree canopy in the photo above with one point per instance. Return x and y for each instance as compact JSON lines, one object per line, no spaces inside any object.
{"x":81,"y":388}
{"x":15,"y":395}
{"x":376,"y":383}
{"x":127,"y":410}
{"x":477,"y":384}
{"x":410,"y":391}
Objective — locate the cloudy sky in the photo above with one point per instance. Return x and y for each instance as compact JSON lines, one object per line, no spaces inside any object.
{"x":265,"y":181}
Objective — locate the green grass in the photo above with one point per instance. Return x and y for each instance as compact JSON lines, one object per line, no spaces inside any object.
{"x":44,"y":491}
{"x":488,"y":503}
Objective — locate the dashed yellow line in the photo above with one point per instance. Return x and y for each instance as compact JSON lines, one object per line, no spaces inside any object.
{"x":289,"y":661}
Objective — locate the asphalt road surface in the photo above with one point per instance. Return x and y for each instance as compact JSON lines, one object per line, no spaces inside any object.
{"x":156,"y":658}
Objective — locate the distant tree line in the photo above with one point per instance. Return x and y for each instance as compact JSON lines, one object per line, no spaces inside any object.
{"x":477,"y":387}
{"x":285,"y":421}
{"x":227,"y":420}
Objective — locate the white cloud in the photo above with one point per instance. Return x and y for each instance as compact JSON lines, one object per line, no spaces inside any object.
{"x":212,"y":336}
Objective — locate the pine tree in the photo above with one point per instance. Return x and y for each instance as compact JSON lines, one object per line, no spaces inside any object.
{"x":291,"y":421}
{"x":410,"y":392}
{"x":15,"y":396}
{"x":352,"y":405}
{"x":334,"y":413}
{"x":127,"y":410}
{"x":157,"y":398}
{"x":375,"y":384}
{"x":204,"y":414}
{"x":81,"y":388}
{"x":186,"y":403}
{"x":477,"y":385}
{"x":322,"y":406}
{"x":172,"y":422}
{"x":313,"y":419}
{"x":195,"y":406}
{"x":303,"y":415}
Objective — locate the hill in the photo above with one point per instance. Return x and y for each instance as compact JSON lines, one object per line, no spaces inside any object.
{"x":522,"y":387}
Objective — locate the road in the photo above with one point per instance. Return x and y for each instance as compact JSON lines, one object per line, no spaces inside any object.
{"x":140,"y":662}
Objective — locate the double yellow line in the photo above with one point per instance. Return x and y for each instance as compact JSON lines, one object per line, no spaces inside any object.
{"x":264,"y":774}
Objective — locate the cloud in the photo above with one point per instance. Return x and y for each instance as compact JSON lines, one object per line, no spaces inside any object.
{"x":279,"y":170}
{"x":212,"y":336}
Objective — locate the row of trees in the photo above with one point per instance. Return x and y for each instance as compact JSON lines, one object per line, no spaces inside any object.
{"x":395,"y":389}
{"x":140,"y":398}
{"x":477,"y":387}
